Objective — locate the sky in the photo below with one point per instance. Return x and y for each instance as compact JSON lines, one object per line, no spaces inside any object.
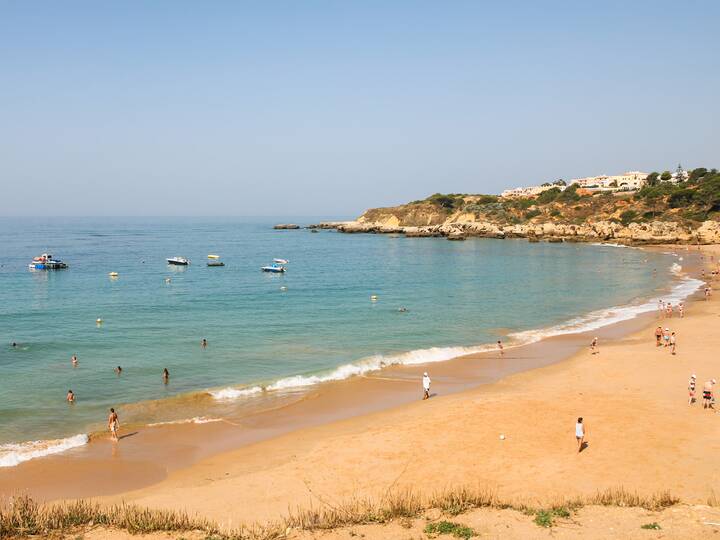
{"x":320,"y":108}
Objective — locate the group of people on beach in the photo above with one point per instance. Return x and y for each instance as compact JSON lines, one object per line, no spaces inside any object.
{"x":708,"y":397}
{"x":665,"y":338}
{"x":665,"y":309}
{"x":113,"y":419}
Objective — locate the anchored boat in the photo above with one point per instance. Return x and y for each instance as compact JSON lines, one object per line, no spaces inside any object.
{"x":274,"y":268}
{"x":178,"y":261}
{"x":46,"y":262}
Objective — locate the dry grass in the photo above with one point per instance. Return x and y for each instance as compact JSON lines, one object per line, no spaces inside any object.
{"x":23,"y":517}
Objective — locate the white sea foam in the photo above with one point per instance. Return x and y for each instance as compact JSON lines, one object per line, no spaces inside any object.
{"x":194,"y":420}
{"x":676,"y":269}
{"x":13,"y":454}
{"x":231,"y":393}
{"x":604,"y":317}
{"x":591,"y":321}
{"x":611,"y":244}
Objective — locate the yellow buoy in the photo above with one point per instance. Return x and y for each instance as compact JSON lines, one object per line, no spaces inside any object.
{"x":213,"y":256}
{"x":113,"y":274}
{"x":373,"y":297}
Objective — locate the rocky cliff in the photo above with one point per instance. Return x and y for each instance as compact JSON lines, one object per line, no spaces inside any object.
{"x":621,"y":218}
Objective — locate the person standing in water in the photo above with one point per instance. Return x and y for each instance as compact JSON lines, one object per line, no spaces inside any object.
{"x":203,"y":343}
{"x":500,"y":348}
{"x":74,"y":360}
{"x":426,"y":386}
{"x":70,"y":398}
{"x":113,"y":424}
{"x":166,"y":375}
{"x":118,"y":370}
{"x":580,"y":434}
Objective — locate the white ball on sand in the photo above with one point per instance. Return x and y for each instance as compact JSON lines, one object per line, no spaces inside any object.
{"x":502,"y":436}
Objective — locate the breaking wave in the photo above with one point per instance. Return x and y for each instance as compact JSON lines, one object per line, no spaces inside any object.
{"x":13,"y":454}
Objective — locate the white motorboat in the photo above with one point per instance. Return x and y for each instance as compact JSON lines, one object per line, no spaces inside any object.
{"x":179,"y":261}
{"x":274,"y":268}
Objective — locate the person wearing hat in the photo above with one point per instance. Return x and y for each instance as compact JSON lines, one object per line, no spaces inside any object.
{"x":426,"y":386}
{"x":708,"y":394}
{"x":691,"y":389}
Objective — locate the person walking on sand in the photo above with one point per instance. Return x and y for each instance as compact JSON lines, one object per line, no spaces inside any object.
{"x":681,"y":310}
{"x":500,"y":347}
{"x":666,"y":337}
{"x":708,"y":394}
{"x":70,"y":397}
{"x":113,"y":424}
{"x":580,"y":432}
{"x":691,"y":389}
{"x":594,"y":349}
{"x":672,"y":343}
{"x":669,"y":310}
{"x":426,"y":386}
{"x":658,"y":336}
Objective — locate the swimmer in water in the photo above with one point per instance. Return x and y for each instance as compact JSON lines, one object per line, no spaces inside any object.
{"x":166,"y":375}
{"x":118,"y":370}
{"x":203,"y":343}
{"x":402,"y":309}
{"x":70,"y":397}
{"x":14,"y":344}
{"x":74,"y":360}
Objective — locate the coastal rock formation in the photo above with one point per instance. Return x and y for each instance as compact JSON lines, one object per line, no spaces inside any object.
{"x":462,"y":226}
{"x":286,"y":226}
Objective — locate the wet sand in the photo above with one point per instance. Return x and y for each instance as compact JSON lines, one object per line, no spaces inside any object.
{"x":363,"y":435}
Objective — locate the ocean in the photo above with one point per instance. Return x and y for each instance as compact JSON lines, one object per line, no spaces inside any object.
{"x":269,"y":335}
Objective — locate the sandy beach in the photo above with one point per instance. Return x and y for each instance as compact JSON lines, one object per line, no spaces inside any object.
{"x":642,"y":435}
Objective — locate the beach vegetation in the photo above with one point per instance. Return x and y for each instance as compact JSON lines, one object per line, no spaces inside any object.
{"x":23,"y":517}
{"x":448,"y":527}
{"x":628,"y":216}
{"x":532,"y":213}
{"x":655,"y":526}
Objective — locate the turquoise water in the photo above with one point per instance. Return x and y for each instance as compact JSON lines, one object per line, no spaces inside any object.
{"x":458,"y":294}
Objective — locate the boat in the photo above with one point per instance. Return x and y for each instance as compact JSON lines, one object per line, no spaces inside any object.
{"x":46,"y":262}
{"x":215,"y":263}
{"x":281,"y":261}
{"x":179,"y":261}
{"x":274,"y":268}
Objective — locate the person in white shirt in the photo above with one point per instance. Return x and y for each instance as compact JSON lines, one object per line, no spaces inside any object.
{"x":426,"y":386}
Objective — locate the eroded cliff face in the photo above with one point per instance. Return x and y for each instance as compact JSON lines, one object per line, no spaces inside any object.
{"x":429,"y":220}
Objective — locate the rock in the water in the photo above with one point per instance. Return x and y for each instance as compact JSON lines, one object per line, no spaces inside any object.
{"x":286,"y":226}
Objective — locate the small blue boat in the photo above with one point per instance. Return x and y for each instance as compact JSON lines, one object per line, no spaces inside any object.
{"x":274,"y":268}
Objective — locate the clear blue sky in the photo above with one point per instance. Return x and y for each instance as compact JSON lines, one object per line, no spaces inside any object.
{"x":327,"y":108}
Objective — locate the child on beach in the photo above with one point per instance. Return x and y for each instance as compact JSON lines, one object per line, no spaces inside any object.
{"x":426,"y":386}
{"x":708,"y":394}
{"x":580,"y":434}
{"x":594,"y":349}
{"x":691,"y":389}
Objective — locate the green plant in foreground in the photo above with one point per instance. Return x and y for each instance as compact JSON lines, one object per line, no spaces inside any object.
{"x":544,"y":518}
{"x":448,"y":527}
{"x":654,"y":526}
